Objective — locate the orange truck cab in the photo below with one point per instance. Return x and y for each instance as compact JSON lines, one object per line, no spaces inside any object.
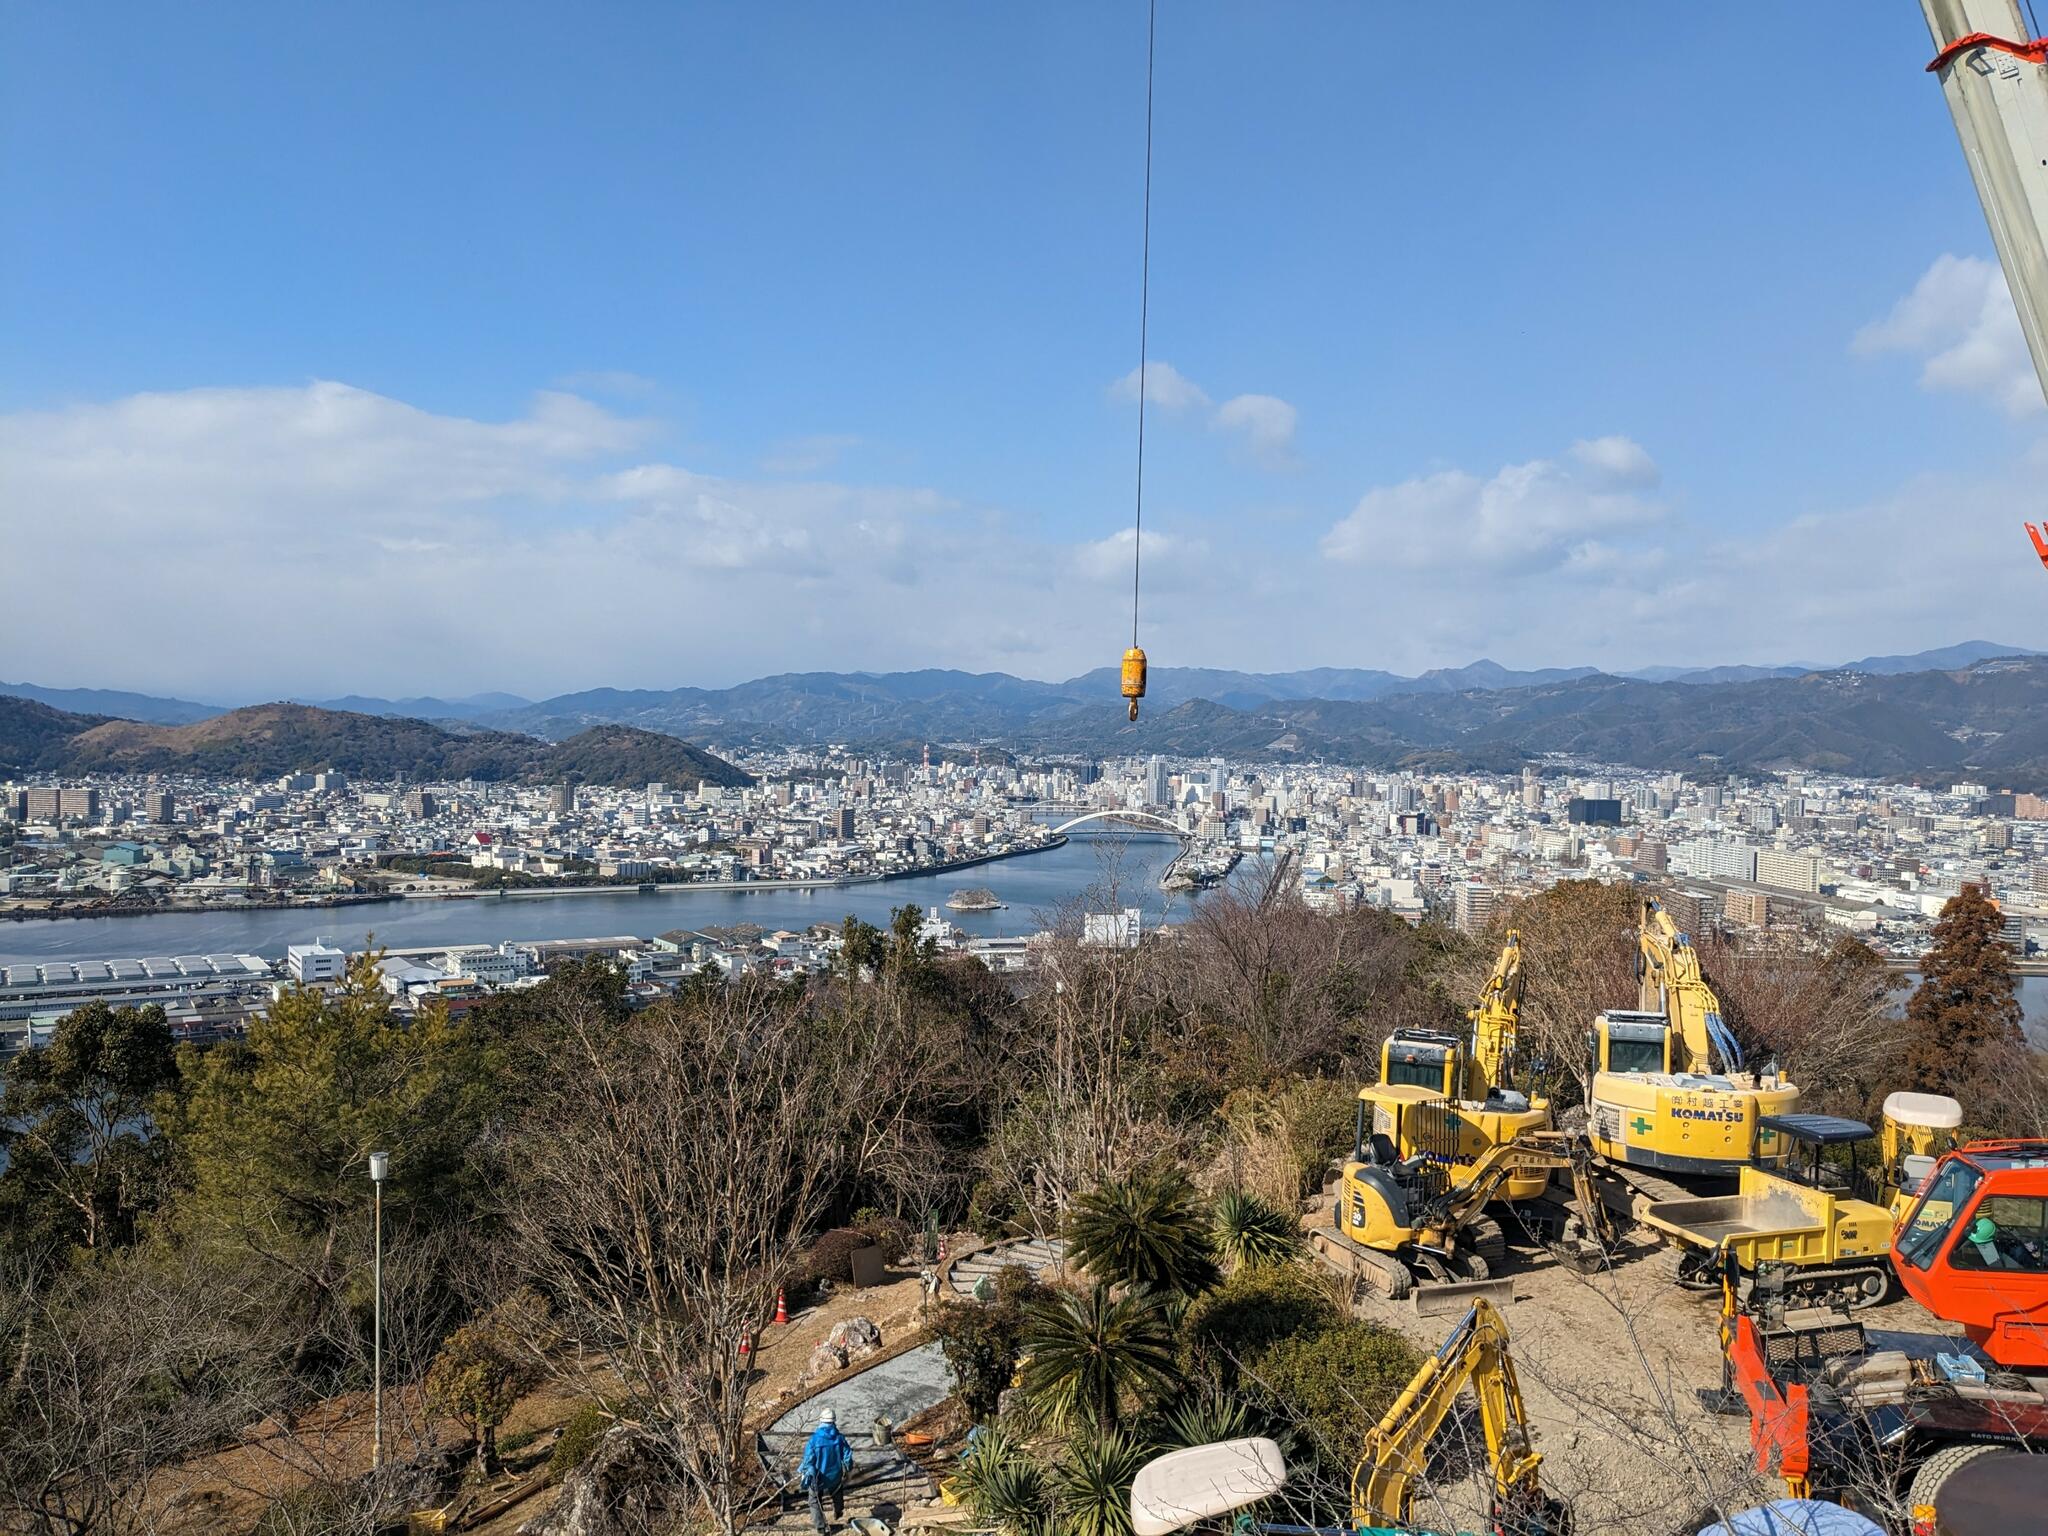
{"x":1974,"y":1248}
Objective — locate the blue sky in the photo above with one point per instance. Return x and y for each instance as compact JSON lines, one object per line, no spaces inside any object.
{"x":463,"y":347}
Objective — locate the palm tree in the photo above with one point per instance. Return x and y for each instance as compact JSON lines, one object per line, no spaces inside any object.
{"x":1092,"y":1483}
{"x":1089,"y":1353}
{"x":1253,"y":1231}
{"x":1149,"y":1231}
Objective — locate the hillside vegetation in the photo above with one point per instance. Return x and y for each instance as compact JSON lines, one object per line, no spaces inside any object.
{"x":271,"y":739}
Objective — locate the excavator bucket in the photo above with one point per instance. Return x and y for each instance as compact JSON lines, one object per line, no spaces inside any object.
{"x":1458,"y":1296}
{"x":2040,"y":541}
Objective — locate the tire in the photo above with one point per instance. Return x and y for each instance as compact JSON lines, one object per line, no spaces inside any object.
{"x":1941,"y":1466}
{"x":1474,"y":1266}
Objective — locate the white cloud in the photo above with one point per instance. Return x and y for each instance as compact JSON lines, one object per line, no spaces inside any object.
{"x":1267,"y":423}
{"x":1165,"y":386}
{"x":1960,"y":322}
{"x":321,"y":539}
{"x":1527,"y":516}
{"x":1620,"y":460}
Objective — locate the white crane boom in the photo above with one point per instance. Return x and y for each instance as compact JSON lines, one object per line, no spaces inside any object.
{"x":1995,"y":77}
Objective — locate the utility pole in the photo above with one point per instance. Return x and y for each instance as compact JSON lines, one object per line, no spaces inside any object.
{"x":380,"y":1166}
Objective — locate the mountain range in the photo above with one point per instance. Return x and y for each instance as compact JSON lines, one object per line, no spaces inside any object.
{"x":267,"y":740}
{"x":1887,"y":717}
{"x":831,"y":704}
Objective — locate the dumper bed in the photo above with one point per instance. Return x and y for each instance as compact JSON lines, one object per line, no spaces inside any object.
{"x":1709,"y":1222}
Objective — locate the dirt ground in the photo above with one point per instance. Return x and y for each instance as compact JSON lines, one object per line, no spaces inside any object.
{"x":1611,"y":1368}
{"x":228,"y":1491}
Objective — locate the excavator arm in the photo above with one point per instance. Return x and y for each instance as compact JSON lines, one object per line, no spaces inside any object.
{"x":1673,"y":986}
{"x":1383,"y":1485}
{"x":1496,"y":1020}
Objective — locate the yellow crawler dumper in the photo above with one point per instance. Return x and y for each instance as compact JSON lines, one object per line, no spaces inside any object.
{"x":1807,"y":1218}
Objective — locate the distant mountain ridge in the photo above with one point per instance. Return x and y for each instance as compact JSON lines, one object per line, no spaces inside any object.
{"x":267,"y":740}
{"x":810,"y":706}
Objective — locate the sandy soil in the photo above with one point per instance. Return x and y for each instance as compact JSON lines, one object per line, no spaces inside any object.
{"x":1611,"y":1368}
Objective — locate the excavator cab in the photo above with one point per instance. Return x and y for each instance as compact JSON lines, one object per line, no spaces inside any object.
{"x":1974,"y":1249}
{"x":1918,"y":1129}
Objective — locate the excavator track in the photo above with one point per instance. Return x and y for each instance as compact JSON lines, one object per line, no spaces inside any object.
{"x":1378,"y":1274}
{"x":1855,"y":1285}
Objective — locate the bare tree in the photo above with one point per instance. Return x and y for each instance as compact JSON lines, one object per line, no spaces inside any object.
{"x":660,"y":1195}
{"x":116,"y":1373}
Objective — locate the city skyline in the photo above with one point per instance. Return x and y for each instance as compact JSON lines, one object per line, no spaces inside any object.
{"x":717,"y":345}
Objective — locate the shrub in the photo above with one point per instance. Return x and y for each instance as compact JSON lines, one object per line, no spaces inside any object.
{"x":1333,"y":1384}
{"x":585,"y":1427}
{"x":831,"y":1256}
{"x":1253,"y":1310}
{"x":981,"y":1341}
{"x":892,"y":1234}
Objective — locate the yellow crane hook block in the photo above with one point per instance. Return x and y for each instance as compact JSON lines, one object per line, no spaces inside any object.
{"x":1134,"y":678}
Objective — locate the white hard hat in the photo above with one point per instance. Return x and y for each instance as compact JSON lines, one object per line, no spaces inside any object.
{"x":828,"y":1417}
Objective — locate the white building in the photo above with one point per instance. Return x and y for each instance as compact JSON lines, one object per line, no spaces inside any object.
{"x":315,"y":964}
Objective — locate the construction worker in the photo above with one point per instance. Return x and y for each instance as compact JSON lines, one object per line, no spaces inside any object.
{"x":1988,"y":1246}
{"x":828,"y":1460}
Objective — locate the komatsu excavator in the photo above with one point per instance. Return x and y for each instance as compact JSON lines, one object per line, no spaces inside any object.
{"x":1451,"y":1100}
{"x":1393,"y":1224}
{"x":1667,"y":1093}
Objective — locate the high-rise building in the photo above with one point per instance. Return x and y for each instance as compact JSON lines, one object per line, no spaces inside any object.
{"x":1750,"y":908}
{"x":845,"y":827}
{"x":421,"y":805}
{"x":1157,"y":790}
{"x":159,"y":806}
{"x":1789,"y":871}
{"x":14,"y":804}
{"x":1581,"y":811}
{"x":1471,"y":905}
{"x":1532,"y":790}
{"x":45,"y":804}
{"x":562,"y":800}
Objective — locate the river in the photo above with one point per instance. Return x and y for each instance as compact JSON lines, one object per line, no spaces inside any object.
{"x":1034,"y":885}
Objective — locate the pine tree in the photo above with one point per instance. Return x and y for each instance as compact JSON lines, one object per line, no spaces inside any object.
{"x":1967,"y":1001}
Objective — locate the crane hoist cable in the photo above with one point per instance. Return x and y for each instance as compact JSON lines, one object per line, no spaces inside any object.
{"x":1134,"y":658}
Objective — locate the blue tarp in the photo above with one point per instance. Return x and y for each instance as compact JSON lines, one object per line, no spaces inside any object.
{"x":1795,"y":1517}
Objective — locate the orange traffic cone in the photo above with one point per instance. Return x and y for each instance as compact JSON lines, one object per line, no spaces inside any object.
{"x":781,"y":1306}
{"x":746,"y":1345}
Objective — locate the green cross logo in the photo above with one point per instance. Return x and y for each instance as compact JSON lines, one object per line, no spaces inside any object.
{"x":1639,"y":1125}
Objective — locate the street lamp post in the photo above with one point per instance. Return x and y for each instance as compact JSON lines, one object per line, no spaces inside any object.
{"x":380,"y":1166}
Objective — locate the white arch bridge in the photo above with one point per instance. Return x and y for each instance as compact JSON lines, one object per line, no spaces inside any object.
{"x":1158,"y":821}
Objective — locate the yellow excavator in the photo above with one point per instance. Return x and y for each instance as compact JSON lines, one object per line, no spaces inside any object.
{"x":1470,"y":1082}
{"x":1206,"y":1481}
{"x":1396,"y":1450}
{"x":1667,"y":1091}
{"x":1393,"y":1223}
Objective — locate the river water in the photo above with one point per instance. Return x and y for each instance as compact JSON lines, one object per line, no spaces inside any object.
{"x":1103,"y":868}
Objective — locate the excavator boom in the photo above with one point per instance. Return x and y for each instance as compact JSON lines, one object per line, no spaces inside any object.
{"x":1496,"y":1021}
{"x":1672,"y":985}
{"x":1383,"y":1486}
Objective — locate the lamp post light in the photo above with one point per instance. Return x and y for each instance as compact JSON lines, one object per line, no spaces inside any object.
{"x":380,"y":1168}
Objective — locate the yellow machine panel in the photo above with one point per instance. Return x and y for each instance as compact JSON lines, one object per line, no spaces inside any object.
{"x":1684,"y":1124}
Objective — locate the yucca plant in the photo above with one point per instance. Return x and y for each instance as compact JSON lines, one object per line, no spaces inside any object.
{"x":1088,"y":1354}
{"x":1251,"y":1231}
{"x":1012,"y":1497}
{"x":1148,"y":1231}
{"x":1203,"y":1420}
{"x":1092,"y":1482}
